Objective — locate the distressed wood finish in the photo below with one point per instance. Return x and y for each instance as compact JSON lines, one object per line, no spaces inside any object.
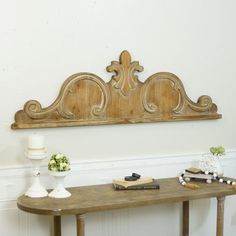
{"x":85,"y":99}
{"x":186,"y":218}
{"x":80,"y":227}
{"x":104,"y":197}
{"x":57,"y":226}
{"x":220,"y":216}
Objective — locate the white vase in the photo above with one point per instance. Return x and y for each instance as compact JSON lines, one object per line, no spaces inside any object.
{"x":211,"y":163}
{"x":59,"y":191}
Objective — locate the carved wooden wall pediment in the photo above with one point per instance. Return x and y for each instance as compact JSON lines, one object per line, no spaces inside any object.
{"x":85,"y":99}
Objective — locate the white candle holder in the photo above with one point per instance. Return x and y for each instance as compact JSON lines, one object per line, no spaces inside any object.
{"x":36,"y":189}
{"x":36,"y":153}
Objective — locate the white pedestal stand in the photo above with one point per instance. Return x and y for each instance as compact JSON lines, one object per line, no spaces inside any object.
{"x":36,"y":189}
{"x":59,"y":191}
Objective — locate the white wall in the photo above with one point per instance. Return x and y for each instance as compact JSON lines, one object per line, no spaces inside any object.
{"x":44,"y":42}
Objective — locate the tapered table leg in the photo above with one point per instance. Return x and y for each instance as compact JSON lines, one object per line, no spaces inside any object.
{"x":220,"y":216}
{"x":186,"y":218}
{"x":80,"y":225}
{"x":57,"y":226}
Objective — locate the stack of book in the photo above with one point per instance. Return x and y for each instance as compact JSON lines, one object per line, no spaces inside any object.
{"x":139,"y":184}
{"x":195,"y":173}
{"x":197,"y":176}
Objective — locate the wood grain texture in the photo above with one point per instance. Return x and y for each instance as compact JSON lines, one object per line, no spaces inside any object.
{"x":103,"y":197}
{"x":80,"y":225}
{"x":186,"y":218}
{"x":56,"y":225}
{"x":220,"y":216}
{"x":85,"y":99}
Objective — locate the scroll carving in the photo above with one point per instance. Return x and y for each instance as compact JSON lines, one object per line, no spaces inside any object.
{"x":85,"y":99}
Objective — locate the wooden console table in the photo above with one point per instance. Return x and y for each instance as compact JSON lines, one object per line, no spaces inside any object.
{"x":102,"y":198}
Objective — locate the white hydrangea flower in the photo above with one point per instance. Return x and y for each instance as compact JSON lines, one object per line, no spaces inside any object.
{"x":61,"y":166}
{"x":65,"y":164}
{"x":59,"y":162}
{"x":59,"y":156}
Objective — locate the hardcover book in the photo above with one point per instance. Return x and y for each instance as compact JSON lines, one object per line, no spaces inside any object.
{"x":150,"y":185}
{"x":125,"y":183}
{"x":197,"y":176}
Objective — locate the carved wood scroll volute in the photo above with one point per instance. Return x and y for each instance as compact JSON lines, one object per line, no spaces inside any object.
{"x":85,"y":99}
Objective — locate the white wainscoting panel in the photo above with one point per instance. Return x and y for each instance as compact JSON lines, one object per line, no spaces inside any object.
{"x":162,"y":220}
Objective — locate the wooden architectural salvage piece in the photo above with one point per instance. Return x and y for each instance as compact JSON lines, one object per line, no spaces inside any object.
{"x":85,"y":99}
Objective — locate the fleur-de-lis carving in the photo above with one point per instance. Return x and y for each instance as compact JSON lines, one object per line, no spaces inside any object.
{"x":125,"y":79}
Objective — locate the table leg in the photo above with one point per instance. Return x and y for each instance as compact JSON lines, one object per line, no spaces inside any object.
{"x":220,"y":216}
{"x":57,"y":226}
{"x":80,"y":225}
{"x":186,"y":218}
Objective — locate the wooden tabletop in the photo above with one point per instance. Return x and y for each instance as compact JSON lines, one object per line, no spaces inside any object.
{"x":103,"y":197}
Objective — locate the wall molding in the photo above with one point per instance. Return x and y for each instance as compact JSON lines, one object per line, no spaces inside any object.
{"x":19,"y":170}
{"x":16,"y":179}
